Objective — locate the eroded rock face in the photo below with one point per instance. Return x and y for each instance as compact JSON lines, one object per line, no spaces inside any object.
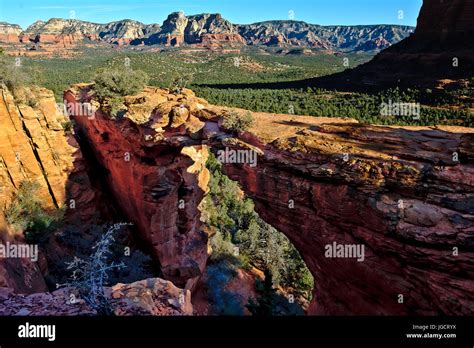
{"x":446,"y":20}
{"x":157,"y":174}
{"x":441,"y":48}
{"x":55,"y":30}
{"x":34,"y":147}
{"x":404,"y":195}
{"x":9,"y":33}
{"x":150,"y":297}
{"x":205,"y":30}
{"x":398,"y":193}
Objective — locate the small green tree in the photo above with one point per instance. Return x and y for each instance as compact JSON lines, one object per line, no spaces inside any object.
{"x":112,"y":85}
{"x":238,"y":122}
{"x":180,"y":82}
{"x":13,"y":77}
{"x":27,"y":213}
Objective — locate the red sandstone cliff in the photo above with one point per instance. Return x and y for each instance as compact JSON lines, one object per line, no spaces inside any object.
{"x":400,"y":194}
{"x":442,"y":20}
{"x":405,"y":194}
{"x":34,"y":147}
{"x":157,"y":174}
{"x":441,"y":48}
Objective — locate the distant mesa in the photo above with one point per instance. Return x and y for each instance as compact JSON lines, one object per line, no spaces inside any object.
{"x":9,"y":32}
{"x":206,"y":30}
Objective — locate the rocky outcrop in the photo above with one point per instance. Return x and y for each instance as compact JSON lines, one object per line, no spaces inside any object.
{"x":123,"y":32}
{"x":157,"y":174}
{"x":58,"y":30}
{"x":441,"y":48}
{"x":10,"y":33}
{"x":395,"y":192}
{"x":150,"y":297}
{"x":446,"y":21}
{"x":218,"y":40}
{"x":337,"y":38}
{"x":174,"y":27}
{"x":402,"y":195}
{"x":34,"y":147}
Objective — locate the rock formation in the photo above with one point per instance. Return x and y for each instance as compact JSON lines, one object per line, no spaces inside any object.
{"x":157,"y":174}
{"x":395,"y":191}
{"x":441,"y":48}
{"x":403,"y":194}
{"x":383,"y":216}
{"x":34,"y":147}
{"x":337,"y":38}
{"x":150,"y":297}
{"x":9,"y":33}
{"x":449,"y":22}
{"x":208,"y":30}
{"x":55,"y":29}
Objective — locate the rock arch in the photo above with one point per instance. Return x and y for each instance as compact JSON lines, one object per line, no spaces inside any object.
{"x":399,"y":193}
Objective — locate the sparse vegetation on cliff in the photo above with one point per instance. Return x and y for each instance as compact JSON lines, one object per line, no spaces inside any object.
{"x":90,"y":275}
{"x":26,"y":213}
{"x":14,"y":78}
{"x":238,"y":121}
{"x":180,"y":82}
{"x":112,"y":85}
{"x":245,"y":240}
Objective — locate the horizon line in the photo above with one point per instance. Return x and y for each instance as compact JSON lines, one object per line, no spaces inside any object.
{"x":204,"y":13}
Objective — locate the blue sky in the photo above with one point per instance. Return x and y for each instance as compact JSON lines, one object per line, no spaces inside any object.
{"x":325,"y":12}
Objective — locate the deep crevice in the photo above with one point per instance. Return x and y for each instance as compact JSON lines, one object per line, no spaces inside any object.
{"x":40,"y":163}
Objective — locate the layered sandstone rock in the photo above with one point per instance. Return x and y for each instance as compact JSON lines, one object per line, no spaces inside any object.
{"x":397,"y":192}
{"x":216,"y":40}
{"x":34,"y":147}
{"x":9,"y":33}
{"x":405,"y":195}
{"x":208,"y":30}
{"x":157,"y":173}
{"x":150,"y":297}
